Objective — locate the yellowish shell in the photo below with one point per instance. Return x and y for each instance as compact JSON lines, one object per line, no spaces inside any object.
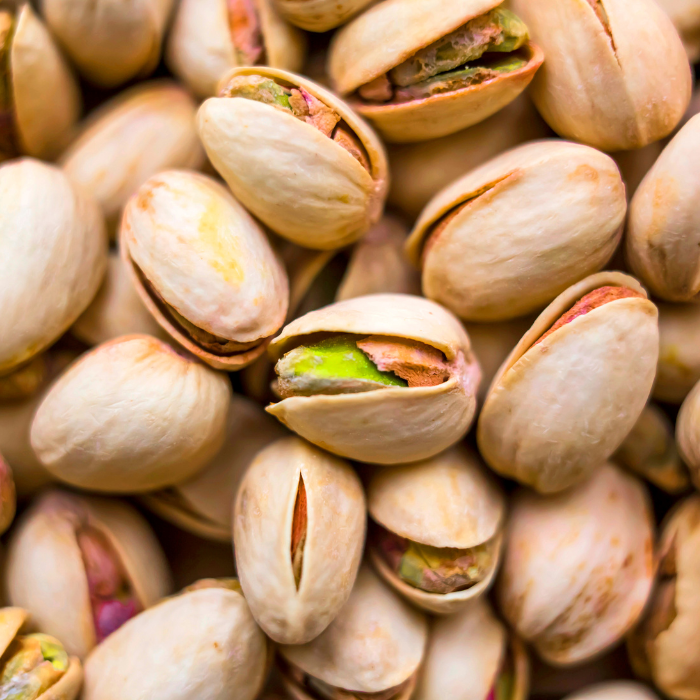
{"x":319,"y":15}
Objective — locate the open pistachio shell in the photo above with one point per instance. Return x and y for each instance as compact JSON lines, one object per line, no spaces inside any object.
{"x":131,"y":415}
{"x":202,"y":643}
{"x":46,"y":570}
{"x":319,"y":15}
{"x":447,"y":502}
{"x":615,"y":690}
{"x":688,"y":433}
{"x":333,"y":198}
{"x":685,"y":15}
{"x":298,"y":533}
{"x":563,"y":402}
{"x":554,"y":212}
{"x":53,"y":254}
{"x":347,"y":656}
{"x":394,"y":424}
{"x":201,"y":46}
{"x":608,"y":88}
{"x":204,"y":268}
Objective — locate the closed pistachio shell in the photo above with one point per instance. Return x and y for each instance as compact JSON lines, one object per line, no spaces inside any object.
{"x":685,"y":15}
{"x":47,"y":570}
{"x":333,"y":198}
{"x":615,"y":690}
{"x":578,"y":567}
{"x":131,"y":415}
{"x":53,"y":254}
{"x":319,"y":15}
{"x":298,"y":533}
{"x":591,"y":378}
{"x":688,"y":433}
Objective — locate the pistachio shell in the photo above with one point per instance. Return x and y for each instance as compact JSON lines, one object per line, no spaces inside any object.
{"x":254,"y":146}
{"x":688,"y":433}
{"x":393,"y":425}
{"x":685,"y":15}
{"x":591,"y":379}
{"x":578,"y":566}
{"x":131,"y":415}
{"x":11,"y":622}
{"x":614,"y":690}
{"x":319,"y":15}
{"x":68,"y":686}
{"x":554,"y":211}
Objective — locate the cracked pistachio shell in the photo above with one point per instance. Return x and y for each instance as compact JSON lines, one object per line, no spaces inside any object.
{"x":203,"y":504}
{"x":663,"y":233}
{"x":53,"y":254}
{"x":390,"y":32}
{"x":685,"y":15}
{"x":578,"y":566}
{"x":45,"y":572}
{"x":397,"y":424}
{"x":447,"y":501}
{"x":200,"y":46}
{"x":131,"y":415}
{"x":554,"y":211}
{"x":332,"y":200}
{"x":376,"y":642}
{"x":263,"y":517}
{"x":200,"y":644}
{"x":591,"y":379}
{"x":688,"y":433}
{"x":201,"y":253}
{"x":623,"y":82}
{"x":319,"y":15}
{"x":615,"y":690}
{"x":466,"y":653}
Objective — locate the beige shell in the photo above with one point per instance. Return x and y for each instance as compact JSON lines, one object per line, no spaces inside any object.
{"x":45,"y":572}
{"x":446,"y":501}
{"x":578,"y":566}
{"x":685,"y":15}
{"x":208,"y":259}
{"x":557,"y":410}
{"x":688,"y":433}
{"x":262,"y":535}
{"x":608,"y":88}
{"x":200,"y":644}
{"x":554,"y":212}
{"x":347,"y":656}
{"x":53,"y":254}
{"x":319,"y":15}
{"x":130,"y":416}
{"x":392,"y":425}
{"x":332,"y":200}
{"x":200,"y":49}
{"x":615,"y":690}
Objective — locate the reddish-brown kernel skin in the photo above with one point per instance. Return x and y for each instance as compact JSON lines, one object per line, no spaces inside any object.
{"x":299,"y":521}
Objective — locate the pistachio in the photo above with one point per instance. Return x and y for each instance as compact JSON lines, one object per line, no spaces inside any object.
{"x":8,"y":499}
{"x":685,"y":15}
{"x":615,"y":690}
{"x":688,"y":433}
{"x":319,"y":15}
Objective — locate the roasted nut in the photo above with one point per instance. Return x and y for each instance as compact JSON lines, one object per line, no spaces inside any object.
{"x":83,"y":566}
{"x":554,"y":212}
{"x":129,"y":416}
{"x":419,"y":69}
{"x":615,"y":690}
{"x":688,"y":433}
{"x":685,"y":15}
{"x":574,"y":386}
{"x":384,"y":378}
{"x":298,"y":533}
{"x":436,"y":530}
{"x":319,"y":15}
{"x":267,"y":123}
{"x":578,"y":566}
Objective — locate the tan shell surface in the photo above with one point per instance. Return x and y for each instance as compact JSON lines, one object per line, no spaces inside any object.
{"x":685,"y":15}
{"x":262,"y":535}
{"x":558,"y":409}
{"x":608,"y":90}
{"x":53,"y":253}
{"x":578,"y":566}
{"x":131,"y":416}
{"x":255,"y":146}
{"x":11,"y":621}
{"x":688,"y":432}
{"x":615,"y":690}
{"x":285,"y":45}
{"x":68,"y":686}
{"x":201,"y":644}
{"x":376,"y":642}
{"x":319,"y":15}
{"x":554,"y":211}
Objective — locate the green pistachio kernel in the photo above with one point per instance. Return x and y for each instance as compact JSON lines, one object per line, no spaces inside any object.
{"x":260,"y":89}
{"x":35,"y":663}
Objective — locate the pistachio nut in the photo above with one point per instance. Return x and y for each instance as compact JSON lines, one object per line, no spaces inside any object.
{"x":53,"y":254}
{"x":82,"y":566}
{"x":209,"y":37}
{"x":578,"y":566}
{"x":203,"y":504}
{"x":266,"y":123}
{"x":685,"y":15}
{"x":298,"y":533}
{"x":554,"y":211}
{"x":608,"y":88}
{"x":384,"y":378}
{"x":131,"y":415}
{"x":204,"y":268}
{"x":589,"y":359}
{"x":202,"y":644}
{"x":8,"y":497}
{"x":615,"y":690}
{"x":319,"y":15}
{"x":373,"y":649}
{"x":34,"y":666}
{"x":436,"y":529}
{"x":420,"y":69}
{"x":688,"y":433}
{"x":472,"y":656}
{"x":634,"y":165}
